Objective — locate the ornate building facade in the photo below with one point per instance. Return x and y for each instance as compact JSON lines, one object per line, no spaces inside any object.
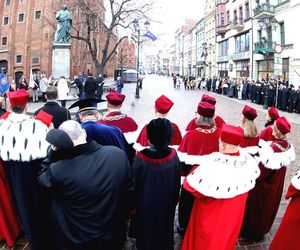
{"x":27,"y":33}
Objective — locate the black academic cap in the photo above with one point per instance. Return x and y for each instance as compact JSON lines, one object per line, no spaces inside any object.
{"x":86,"y":104}
{"x":59,"y":139}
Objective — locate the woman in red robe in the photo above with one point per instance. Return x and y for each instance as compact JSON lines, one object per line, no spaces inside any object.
{"x":251,"y":137}
{"x":9,"y":224}
{"x":264,"y":200}
{"x":289,"y":229}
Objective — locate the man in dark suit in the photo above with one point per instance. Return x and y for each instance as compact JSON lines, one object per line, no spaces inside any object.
{"x":90,"y":86}
{"x":53,"y":108}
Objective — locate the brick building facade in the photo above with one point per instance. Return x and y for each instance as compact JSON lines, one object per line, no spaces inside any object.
{"x":27,"y":30}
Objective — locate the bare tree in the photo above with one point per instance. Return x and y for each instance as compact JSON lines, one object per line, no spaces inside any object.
{"x":101,"y":37}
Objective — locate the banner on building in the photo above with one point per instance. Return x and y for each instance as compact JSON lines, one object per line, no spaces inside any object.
{"x":4,"y":85}
{"x":150,"y":36}
{"x":277,"y":66}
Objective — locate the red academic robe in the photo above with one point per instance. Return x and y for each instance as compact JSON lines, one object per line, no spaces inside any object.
{"x":122,"y":121}
{"x":143,"y":137}
{"x":215,"y":223}
{"x":9,"y":224}
{"x":192,"y":124}
{"x":264,"y":200}
{"x":249,"y":142}
{"x":266,"y":134}
{"x":195,"y":142}
{"x":289,"y":229}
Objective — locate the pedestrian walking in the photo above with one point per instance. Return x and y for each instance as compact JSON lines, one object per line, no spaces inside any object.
{"x":43,"y":86}
{"x":90,"y":87}
{"x":119,"y":84}
{"x":79,"y":86}
{"x":174,"y":81}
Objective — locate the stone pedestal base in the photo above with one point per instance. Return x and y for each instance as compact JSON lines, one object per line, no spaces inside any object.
{"x":61,"y":60}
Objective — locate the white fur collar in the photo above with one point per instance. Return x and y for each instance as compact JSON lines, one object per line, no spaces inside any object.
{"x":296,"y":180}
{"x":23,"y":139}
{"x":272,"y":160}
{"x":224,"y":176}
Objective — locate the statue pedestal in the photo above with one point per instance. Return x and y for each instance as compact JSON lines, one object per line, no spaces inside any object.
{"x":61,"y":60}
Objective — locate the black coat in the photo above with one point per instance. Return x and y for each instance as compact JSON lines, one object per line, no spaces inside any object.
{"x":90,"y":190}
{"x":59,"y":113}
{"x":90,"y":86}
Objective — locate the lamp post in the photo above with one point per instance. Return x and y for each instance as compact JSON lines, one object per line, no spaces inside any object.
{"x":137,"y":30}
{"x":266,"y":22}
{"x":206,"y":48}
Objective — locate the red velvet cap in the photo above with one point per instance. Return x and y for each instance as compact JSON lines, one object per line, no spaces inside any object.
{"x":249,"y":112}
{"x":273,"y":113}
{"x":115,"y":98}
{"x":206,"y":109}
{"x":283,"y":125}
{"x":209,"y":99}
{"x":44,"y":117}
{"x":231,"y":134}
{"x":18,"y":98}
{"x":163,"y":104}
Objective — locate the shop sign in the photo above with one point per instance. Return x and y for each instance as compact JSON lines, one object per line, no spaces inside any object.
{"x":240,"y":56}
{"x":277,"y":66}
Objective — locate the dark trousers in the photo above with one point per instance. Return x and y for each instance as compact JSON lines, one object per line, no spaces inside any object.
{"x":186,"y":202}
{"x":63,"y":103}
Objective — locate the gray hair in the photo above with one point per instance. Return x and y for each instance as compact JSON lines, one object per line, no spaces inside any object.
{"x":204,"y":121}
{"x":72,"y":128}
{"x":89,"y":112}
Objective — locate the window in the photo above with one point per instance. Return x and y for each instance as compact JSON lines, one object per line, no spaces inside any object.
{"x":223,"y":48}
{"x":242,"y":43}
{"x":21,"y":17}
{"x":228,"y":17}
{"x":241,"y":12}
{"x":35,"y":60}
{"x":18,"y":59}
{"x":7,"y":2}
{"x":282,"y":33}
{"x":5,"y":20}
{"x":4,"y":40}
{"x":222,"y":19}
{"x":234,"y":15}
{"x":22,"y":1}
{"x":218,"y":21}
{"x":38,"y":14}
{"x":247,"y":11}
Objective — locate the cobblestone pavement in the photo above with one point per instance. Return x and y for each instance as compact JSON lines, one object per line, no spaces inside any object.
{"x":185,"y":103}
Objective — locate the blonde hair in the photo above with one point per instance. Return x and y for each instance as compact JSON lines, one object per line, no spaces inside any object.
{"x":277,"y":134}
{"x":250,"y":129}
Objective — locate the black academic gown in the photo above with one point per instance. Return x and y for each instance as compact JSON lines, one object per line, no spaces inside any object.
{"x":157,"y":185}
{"x":90,"y":197}
{"x":284,"y":99}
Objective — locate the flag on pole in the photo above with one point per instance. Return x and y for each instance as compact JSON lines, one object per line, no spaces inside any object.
{"x":4,"y":85}
{"x":31,"y":81}
{"x":150,"y":36}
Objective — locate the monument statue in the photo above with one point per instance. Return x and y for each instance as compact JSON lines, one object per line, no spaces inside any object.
{"x":64,"y":25}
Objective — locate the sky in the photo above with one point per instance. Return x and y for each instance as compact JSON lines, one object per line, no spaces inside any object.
{"x":170,"y":15}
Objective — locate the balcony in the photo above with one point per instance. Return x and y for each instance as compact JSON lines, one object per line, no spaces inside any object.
{"x":221,"y":30}
{"x":237,"y":23}
{"x":264,"y":10}
{"x":264,"y":48}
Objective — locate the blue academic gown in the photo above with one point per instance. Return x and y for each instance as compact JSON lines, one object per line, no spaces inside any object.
{"x":105,"y":135}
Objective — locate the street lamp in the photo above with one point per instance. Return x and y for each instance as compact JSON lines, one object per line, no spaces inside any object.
{"x":206,"y":48}
{"x":137,"y":30}
{"x":266,"y":22}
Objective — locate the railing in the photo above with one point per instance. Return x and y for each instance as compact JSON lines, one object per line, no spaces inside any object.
{"x":264,"y":48}
{"x":265,"y":7}
{"x":221,"y":29}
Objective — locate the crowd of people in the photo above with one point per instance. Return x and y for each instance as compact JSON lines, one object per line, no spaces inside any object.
{"x":268,"y":93}
{"x":78,"y":183}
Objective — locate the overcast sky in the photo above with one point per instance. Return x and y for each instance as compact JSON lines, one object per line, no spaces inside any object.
{"x":171,"y":14}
